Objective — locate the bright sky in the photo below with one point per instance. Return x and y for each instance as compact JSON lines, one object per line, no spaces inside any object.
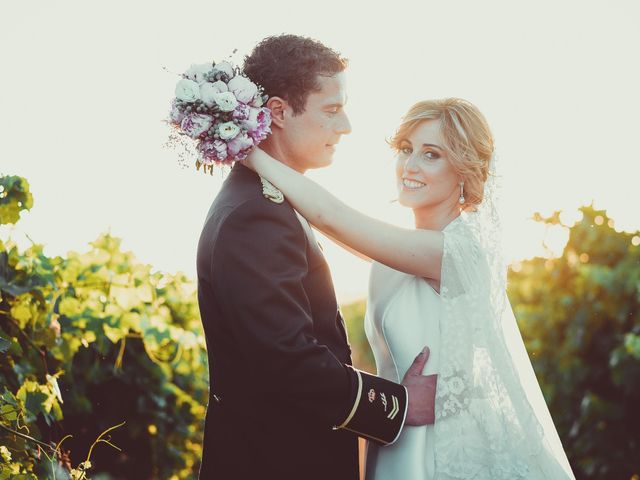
{"x":83,"y":94}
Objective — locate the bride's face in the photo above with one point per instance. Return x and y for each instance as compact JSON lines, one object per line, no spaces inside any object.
{"x":425,"y":177}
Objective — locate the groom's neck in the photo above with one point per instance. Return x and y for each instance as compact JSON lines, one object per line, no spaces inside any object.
{"x":278,"y":152}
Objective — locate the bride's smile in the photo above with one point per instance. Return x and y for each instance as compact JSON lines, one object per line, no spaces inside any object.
{"x":427,"y":182}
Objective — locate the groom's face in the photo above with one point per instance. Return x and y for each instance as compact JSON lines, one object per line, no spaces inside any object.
{"x":310,"y":137}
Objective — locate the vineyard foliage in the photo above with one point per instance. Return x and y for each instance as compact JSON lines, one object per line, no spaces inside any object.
{"x":88,"y":342}
{"x":95,"y":339}
{"x":580,"y":317}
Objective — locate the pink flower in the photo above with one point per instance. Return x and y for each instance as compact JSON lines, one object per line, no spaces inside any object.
{"x":242,"y":112}
{"x":195,"y":124}
{"x":262,"y":126}
{"x":175,"y":115}
{"x":213,"y":151}
{"x":239,"y":147}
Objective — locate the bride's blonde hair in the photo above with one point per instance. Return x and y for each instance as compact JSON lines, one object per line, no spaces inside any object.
{"x":468,"y":140}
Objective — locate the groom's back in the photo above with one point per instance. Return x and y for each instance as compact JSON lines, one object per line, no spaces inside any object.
{"x":276,"y":343}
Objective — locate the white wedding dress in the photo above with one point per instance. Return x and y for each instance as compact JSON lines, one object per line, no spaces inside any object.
{"x":491,"y":420}
{"x":403,"y":315}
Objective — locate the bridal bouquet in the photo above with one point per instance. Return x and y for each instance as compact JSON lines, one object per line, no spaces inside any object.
{"x":222,"y":111}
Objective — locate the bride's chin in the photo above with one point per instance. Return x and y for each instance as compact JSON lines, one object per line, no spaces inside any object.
{"x":404,"y":202}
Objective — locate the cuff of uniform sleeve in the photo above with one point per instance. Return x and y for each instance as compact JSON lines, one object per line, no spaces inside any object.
{"x":404,"y":417}
{"x":379,"y":409}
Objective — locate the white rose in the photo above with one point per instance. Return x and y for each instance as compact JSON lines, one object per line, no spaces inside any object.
{"x":224,"y":67}
{"x":198,"y":73}
{"x":228,"y":130}
{"x":208,"y":91}
{"x":221,"y":86}
{"x":226,"y":101}
{"x":187,"y":90}
{"x":243,"y":88}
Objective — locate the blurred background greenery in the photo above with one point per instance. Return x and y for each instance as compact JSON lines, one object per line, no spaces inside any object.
{"x":95,"y":339}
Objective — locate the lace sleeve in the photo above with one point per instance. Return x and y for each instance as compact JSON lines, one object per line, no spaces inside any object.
{"x":464,"y":270}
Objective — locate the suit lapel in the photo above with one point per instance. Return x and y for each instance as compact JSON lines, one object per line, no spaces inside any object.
{"x":311,"y":237}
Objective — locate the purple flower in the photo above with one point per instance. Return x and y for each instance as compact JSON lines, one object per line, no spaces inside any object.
{"x":262,"y":125}
{"x":213,"y":151}
{"x":175,"y":115}
{"x":195,"y":124}
{"x":242,"y":112}
{"x":239,"y":147}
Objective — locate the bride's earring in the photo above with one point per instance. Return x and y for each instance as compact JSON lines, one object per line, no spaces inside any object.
{"x":461,"y":199}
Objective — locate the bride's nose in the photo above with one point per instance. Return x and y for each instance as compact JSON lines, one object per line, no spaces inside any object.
{"x":411,"y":164}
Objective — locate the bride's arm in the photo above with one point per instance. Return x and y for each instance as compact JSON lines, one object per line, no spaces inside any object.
{"x":361,"y":255}
{"x":417,"y":252}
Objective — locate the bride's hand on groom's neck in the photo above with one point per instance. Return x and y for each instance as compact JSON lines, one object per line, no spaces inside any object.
{"x":256,"y":158}
{"x":249,"y":160}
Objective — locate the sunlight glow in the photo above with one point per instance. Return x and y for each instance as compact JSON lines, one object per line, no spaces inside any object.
{"x":86,"y":90}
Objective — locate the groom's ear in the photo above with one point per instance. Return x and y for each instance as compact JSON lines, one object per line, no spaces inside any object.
{"x":277,"y":106}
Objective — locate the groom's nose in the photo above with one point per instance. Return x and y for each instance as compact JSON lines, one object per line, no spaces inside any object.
{"x":344,"y":125}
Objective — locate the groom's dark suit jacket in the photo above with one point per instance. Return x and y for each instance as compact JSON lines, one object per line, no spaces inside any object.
{"x":284,"y":401}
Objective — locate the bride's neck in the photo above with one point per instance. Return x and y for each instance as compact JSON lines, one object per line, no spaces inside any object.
{"x":435,"y":218}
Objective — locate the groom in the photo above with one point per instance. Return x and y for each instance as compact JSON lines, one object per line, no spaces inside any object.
{"x":285,"y":402}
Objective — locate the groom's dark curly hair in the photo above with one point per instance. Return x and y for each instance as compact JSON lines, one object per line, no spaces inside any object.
{"x":288,"y":66}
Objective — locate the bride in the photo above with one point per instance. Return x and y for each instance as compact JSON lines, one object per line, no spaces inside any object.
{"x":442,"y":284}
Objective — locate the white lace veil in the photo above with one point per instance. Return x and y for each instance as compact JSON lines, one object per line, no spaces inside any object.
{"x":492,"y":421}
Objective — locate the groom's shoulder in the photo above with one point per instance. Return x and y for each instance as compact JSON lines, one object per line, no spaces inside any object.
{"x":247,"y":201}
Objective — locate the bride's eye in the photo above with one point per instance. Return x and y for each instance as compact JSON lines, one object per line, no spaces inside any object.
{"x":431,"y":155}
{"x":406,"y":150}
